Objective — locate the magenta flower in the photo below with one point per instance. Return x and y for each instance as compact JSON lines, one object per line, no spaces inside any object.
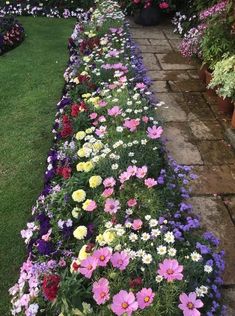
{"x":171,"y":270}
{"x":109,"y":182}
{"x":91,"y":206}
{"x":103,"y":256}
{"x":124,"y":303}
{"x":111,"y":206}
{"x":120,"y":260}
{"x":131,"y":124}
{"x":189,"y":304}
{"x":141,"y":172}
{"x":102,"y":103}
{"x":140,"y":85}
{"x":145,"y":298}
{"x":124,"y":176}
{"x":100,"y":291}
{"x":137,"y":224}
{"x":114,"y":111}
{"x":150,"y":182}
{"x":101,"y":131}
{"x":107,"y":192}
{"x":132,"y":170}
{"x":93,"y":116}
{"x":87,"y":266}
{"x":154,"y":132}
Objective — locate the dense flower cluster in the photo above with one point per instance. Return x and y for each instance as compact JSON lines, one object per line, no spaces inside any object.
{"x":111,"y":233}
{"x":11,"y":33}
{"x":216,"y":9}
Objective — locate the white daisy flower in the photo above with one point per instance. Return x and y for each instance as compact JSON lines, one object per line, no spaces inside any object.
{"x":147,"y":259}
{"x":161,"y":250}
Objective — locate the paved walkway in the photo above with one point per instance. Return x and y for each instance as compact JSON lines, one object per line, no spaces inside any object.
{"x":196,"y":136}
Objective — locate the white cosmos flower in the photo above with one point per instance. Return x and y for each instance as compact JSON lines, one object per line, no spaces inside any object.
{"x":208,"y":269}
{"x":114,"y":166}
{"x":155,"y":232}
{"x":133,"y":237}
{"x":169,"y":237}
{"x":147,"y":217}
{"x":153,"y":223}
{"x":108,"y":224}
{"x":159,"y":278}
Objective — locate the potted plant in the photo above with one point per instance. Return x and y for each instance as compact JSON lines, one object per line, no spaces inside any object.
{"x":216,"y":42}
{"x":149,"y":12}
{"x":223,"y":79}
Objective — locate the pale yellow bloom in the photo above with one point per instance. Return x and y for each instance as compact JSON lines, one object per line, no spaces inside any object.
{"x":79,"y":195}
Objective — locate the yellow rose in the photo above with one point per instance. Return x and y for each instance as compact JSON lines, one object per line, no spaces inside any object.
{"x":79,"y":196}
{"x":86,"y":59}
{"x":109,"y":236}
{"x":100,"y":240}
{"x":98,"y":145}
{"x":89,"y":130}
{"x":80,"y":135}
{"x":81,"y":153}
{"x":80,"y":232}
{"x":80,"y":166}
{"x":82,"y":253}
{"x":95,"y":181}
{"x":86,"y":95}
{"x":88,"y":166}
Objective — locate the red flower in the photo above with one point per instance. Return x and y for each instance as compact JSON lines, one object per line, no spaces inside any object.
{"x":137,"y":282}
{"x":66,"y":172}
{"x":75,"y":110}
{"x":164,"y":5}
{"x":50,"y":286}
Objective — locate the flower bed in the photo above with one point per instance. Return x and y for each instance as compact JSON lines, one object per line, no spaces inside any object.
{"x":48,"y":8}
{"x":11,"y":33}
{"x":111,"y":233}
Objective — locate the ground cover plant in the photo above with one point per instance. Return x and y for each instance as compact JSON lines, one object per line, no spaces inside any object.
{"x":11,"y":33}
{"x":111,"y":232}
{"x":31,"y":81}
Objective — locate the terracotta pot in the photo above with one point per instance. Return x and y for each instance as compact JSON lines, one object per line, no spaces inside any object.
{"x":210,"y":92}
{"x":202,"y":73}
{"x":233,"y":118}
{"x":225,"y":105}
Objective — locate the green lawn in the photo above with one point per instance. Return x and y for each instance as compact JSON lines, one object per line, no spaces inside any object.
{"x":31,"y":79}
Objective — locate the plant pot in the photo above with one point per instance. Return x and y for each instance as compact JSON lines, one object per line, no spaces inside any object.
{"x":210,"y":92}
{"x":225,"y":105}
{"x":233,"y":118}
{"x":148,"y":16}
{"x":202,"y":73}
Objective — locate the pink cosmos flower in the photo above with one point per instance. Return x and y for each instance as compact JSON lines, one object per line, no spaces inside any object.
{"x":124,"y":303}
{"x":164,"y":5}
{"x":100,"y":291}
{"x":131,"y":124}
{"x":132,"y":170}
{"x":140,"y":85}
{"x":145,"y":119}
{"x":87,"y":266}
{"x":111,"y":206}
{"x":103,"y":256}
{"x":101,"y":131}
{"x":171,"y":270}
{"x":102,"y":103}
{"x":132,"y":202}
{"x":107,"y":192}
{"x":93,"y":116}
{"x":115,"y":111}
{"x":189,"y":304}
{"x":141,"y":172}
{"x":137,"y":224}
{"x":113,"y":53}
{"x":109,"y":182}
{"x":145,"y":298}
{"x":124,"y":176}
{"x":120,"y":260}
{"x":91,"y":206}
{"x":102,"y":118}
{"x":154,"y":132}
{"x":150,"y":182}
{"x":112,"y":86}
{"x":123,"y":79}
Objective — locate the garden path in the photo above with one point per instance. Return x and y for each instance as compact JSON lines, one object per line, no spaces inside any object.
{"x":195,"y":133}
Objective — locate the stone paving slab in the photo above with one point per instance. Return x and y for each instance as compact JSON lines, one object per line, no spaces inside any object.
{"x":229,"y":201}
{"x":151,"y":62}
{"x":229,"y":299}
{"x":174,"y":61}
{"x":149,"y":33}
{"x":160,"y":48}
{"x":206,"y":130}
{"x":179,"y":145}
{"x":217,"y":220}
{"x":168,"y":75}
{"x":159,"y":86}
{"x":214,"y":180}
{"x":175,"y":43}
{"x":193,"y":85}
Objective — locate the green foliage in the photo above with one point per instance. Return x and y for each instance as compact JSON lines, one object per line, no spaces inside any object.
{"x":224,"y":77}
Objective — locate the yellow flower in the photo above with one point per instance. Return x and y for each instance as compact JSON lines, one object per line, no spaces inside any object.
{"x":109,"y":236}
{"x":81,"y":153}
{"x":88,"y":166}
{"x":95,"y":101}
{"x":76,"y":80}
{"x":86,"y":59}
{"x":86,"y":95}
{"x":100,"y":240}
{"x":98,"y":145}
{"x":95,"y":181}
{"x":80,"y":166}
{"x":82,"y":253}
{"x":79,"y":196}
{"x":88,"y":130}
{"x":80,"y":135}
{"x":75,"y":212}
{"x":84,"y":73}
{"x":80,"y":232}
